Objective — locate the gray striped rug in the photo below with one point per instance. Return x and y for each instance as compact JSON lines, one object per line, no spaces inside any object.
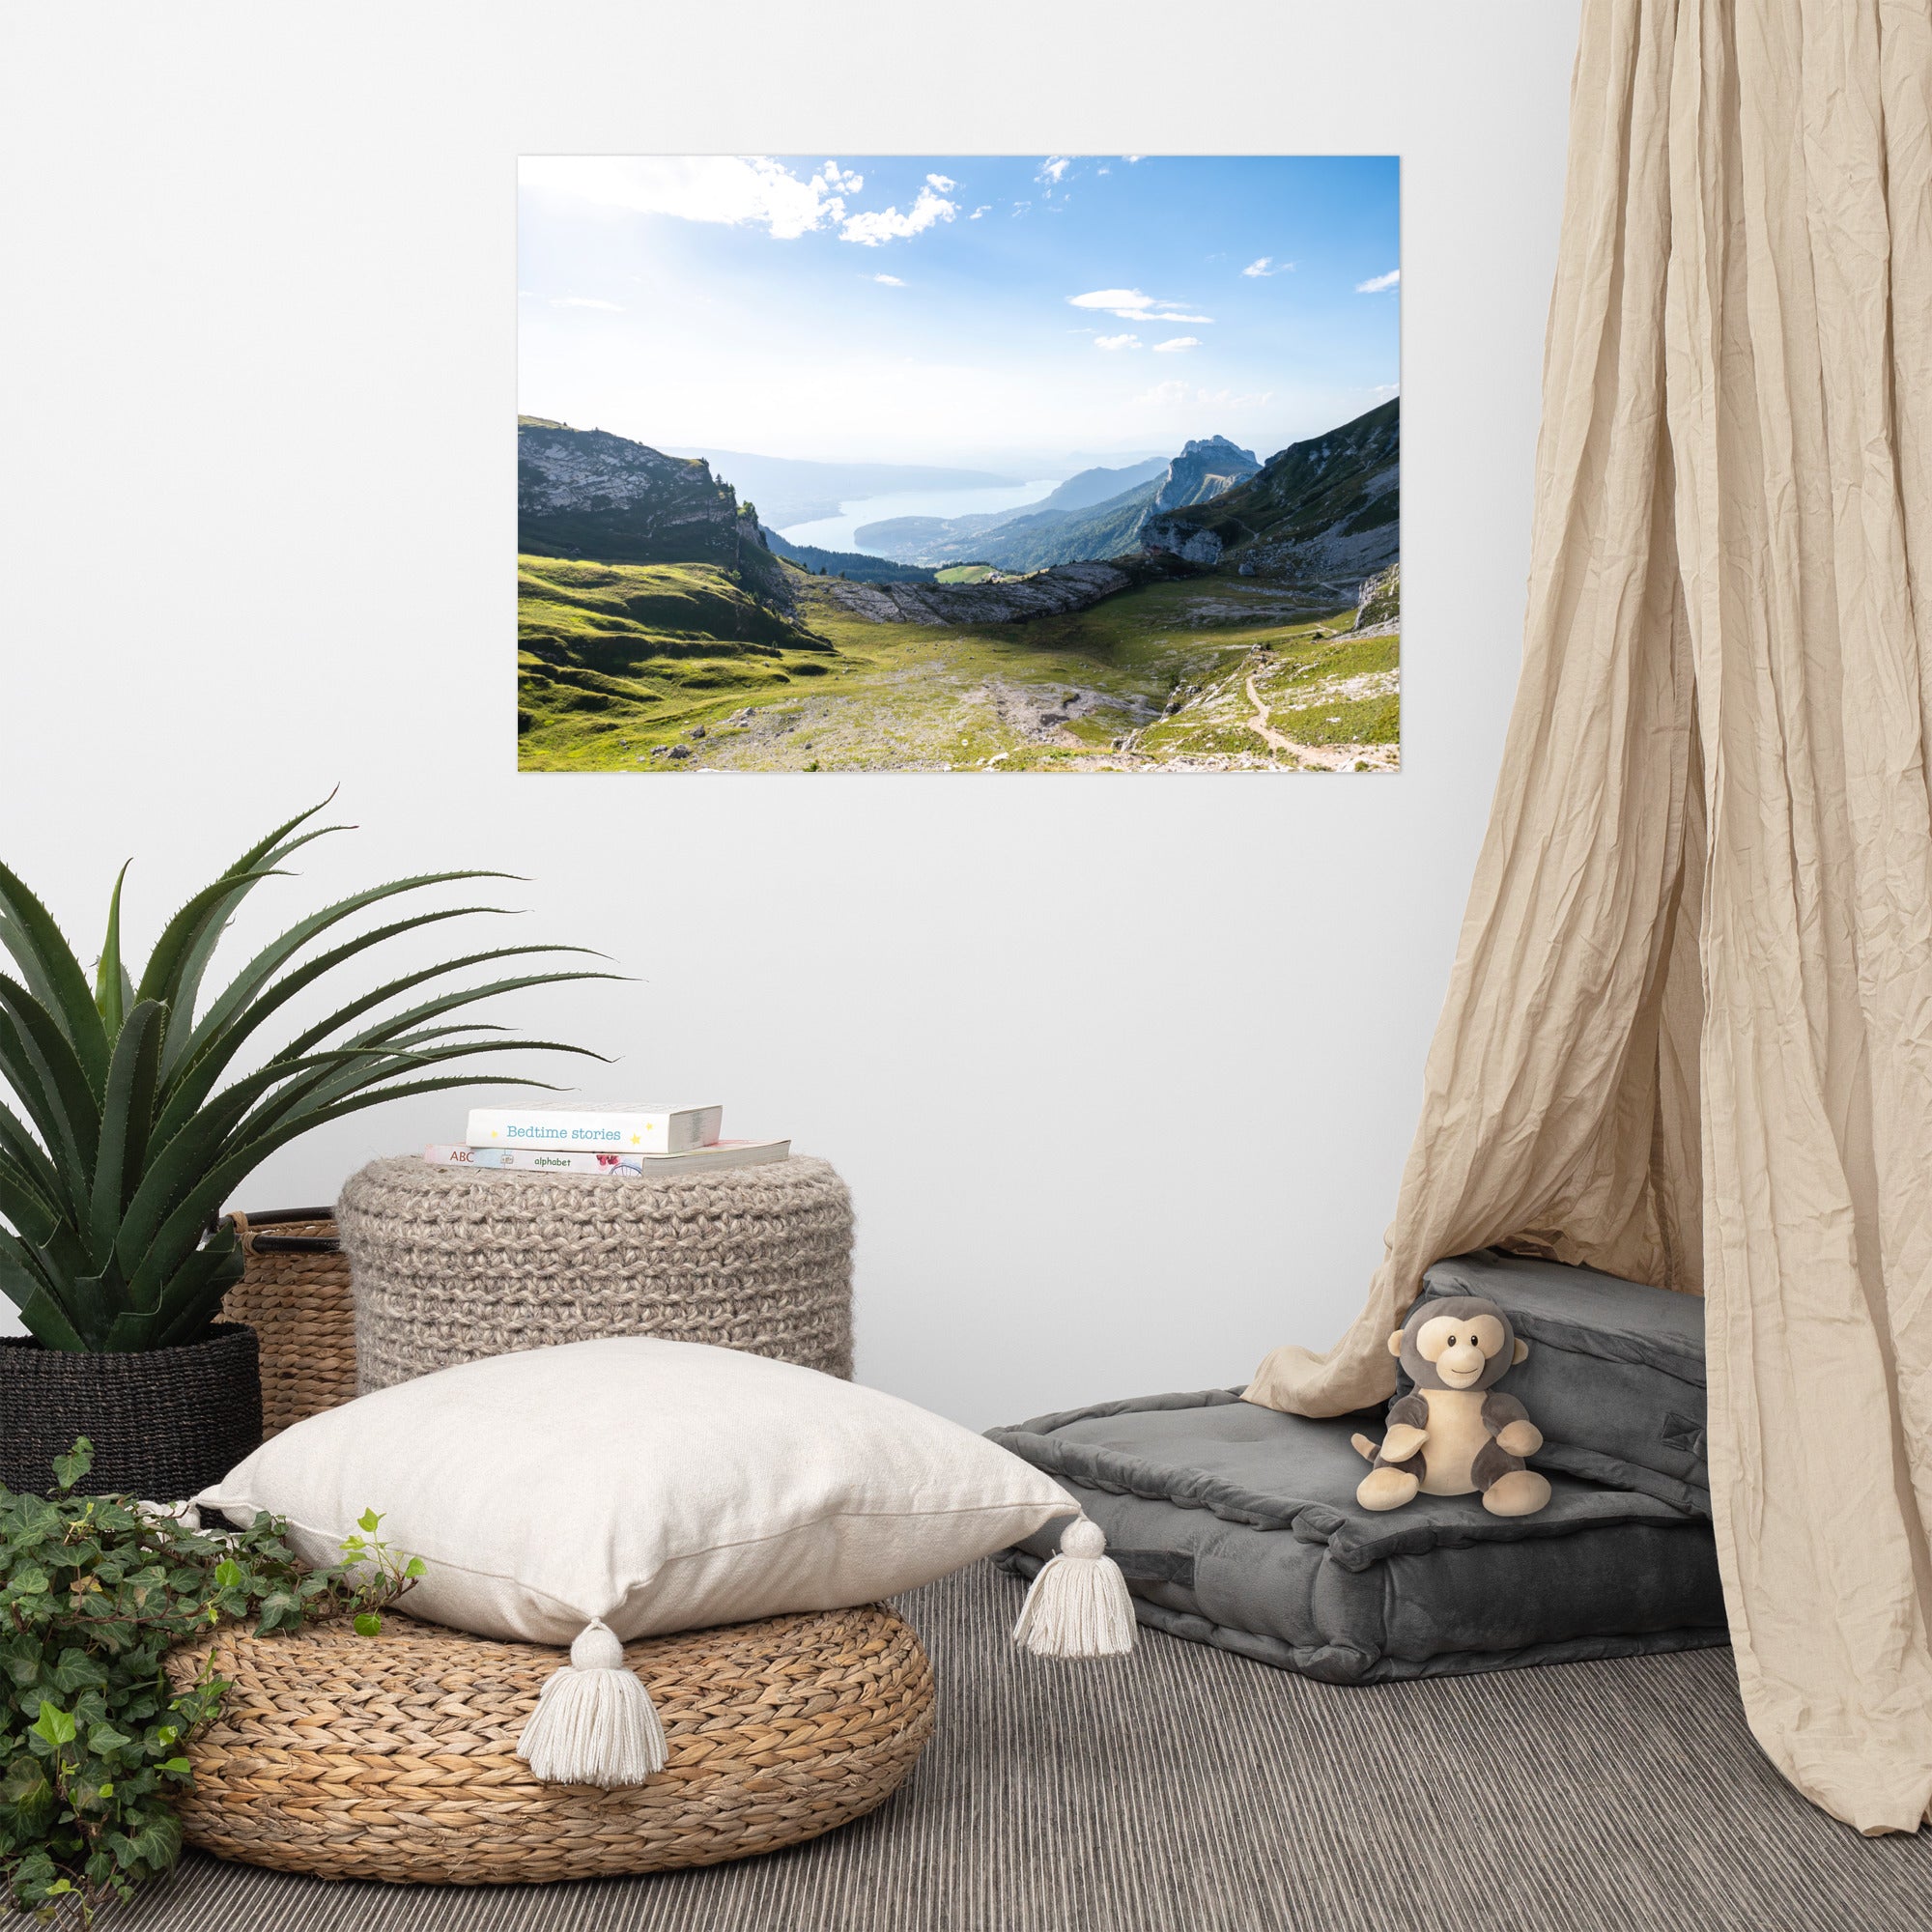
{"x":1189,"y":1791}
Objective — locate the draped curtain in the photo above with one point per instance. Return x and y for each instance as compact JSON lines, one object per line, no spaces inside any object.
{"x":1688,"y":1032}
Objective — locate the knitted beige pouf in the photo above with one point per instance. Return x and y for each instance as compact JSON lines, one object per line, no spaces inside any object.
{"x":394,"y":1756}
{"x":453,"y":1264}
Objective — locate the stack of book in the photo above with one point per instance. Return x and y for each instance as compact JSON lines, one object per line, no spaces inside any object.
{"x":612,"y":1140}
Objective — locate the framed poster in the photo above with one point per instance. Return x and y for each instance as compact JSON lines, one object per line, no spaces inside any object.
{"x":959,"y":463}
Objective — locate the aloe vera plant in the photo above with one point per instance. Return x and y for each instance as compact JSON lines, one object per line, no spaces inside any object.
{"x":123,"y":1140}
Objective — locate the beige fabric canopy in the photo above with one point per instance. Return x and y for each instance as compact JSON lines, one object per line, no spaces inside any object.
{"x":1689,"y":1034}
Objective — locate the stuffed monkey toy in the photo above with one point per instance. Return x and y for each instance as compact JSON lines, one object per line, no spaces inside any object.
{"x":1456,"y":1434}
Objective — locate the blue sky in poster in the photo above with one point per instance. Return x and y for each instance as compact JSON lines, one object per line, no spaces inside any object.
{"x":1005,"y":311}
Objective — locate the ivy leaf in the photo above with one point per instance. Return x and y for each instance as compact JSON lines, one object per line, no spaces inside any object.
{"x":368,"y":1624}
{"x":70,"y":1468}
{"x":74,"y":1670}
{"x":369,"y":1521}
{"x":53,"y":1724}
{"x":25,"y":1784}
{"x":21,"y":1660}
{"x":104,"y":1738}
{"x":415,"y":1567}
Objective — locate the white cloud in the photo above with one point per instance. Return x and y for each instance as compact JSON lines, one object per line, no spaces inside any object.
{"x":984,"y":208}
{"x":1131,"y":306}
{"x":1116,"y":342}
{"x":1378,"y":283}
{"x":1164,"y":395}
{"x":737,"y":190}
{"x":1177,"y":342}
{"x":1020,"y":208}
{"x":1266,"y":265}
{"x":1053,"y":169}
{"x":585,"y":301}
{"x":887,"y":225}
{"x":945,"y":183}
{"x":890,"y":281}
{"x":1130,"y":157}
{"x":1116,"y":302}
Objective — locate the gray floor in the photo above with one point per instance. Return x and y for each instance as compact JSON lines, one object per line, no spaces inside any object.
{"x":1189,"y":1791}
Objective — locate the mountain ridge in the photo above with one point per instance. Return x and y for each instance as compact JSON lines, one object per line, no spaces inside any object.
{"x":1325,"y":511}
{"x":1057,"y":530}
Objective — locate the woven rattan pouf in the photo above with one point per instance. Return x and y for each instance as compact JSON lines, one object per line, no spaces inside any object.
{"x":394,"y":1756}
{"x":451,"y":1264}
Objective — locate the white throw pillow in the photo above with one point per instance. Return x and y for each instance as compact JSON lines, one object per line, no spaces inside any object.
{"x":643,"y":1485}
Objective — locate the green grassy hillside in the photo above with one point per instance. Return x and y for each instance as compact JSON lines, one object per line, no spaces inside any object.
{"x":600,"y":642}
{"x":675,"y":668}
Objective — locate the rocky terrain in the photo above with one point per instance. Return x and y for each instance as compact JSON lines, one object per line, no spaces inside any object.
{"x":1047,"y":593}
{"x":588,"y":494}
{"x":1379,"y":602}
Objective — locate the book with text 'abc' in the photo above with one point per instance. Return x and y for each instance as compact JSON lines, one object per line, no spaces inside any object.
{"x":544,"y":1160}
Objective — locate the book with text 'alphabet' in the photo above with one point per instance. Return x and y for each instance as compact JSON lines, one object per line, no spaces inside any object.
{"x":558,"y":1160}
{"x":597,"y":1129}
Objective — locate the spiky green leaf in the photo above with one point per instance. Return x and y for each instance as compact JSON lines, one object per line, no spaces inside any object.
{"x":110,"y":976}
{"x":41,"y":1064}
{"x":126,"y":1112}
{"x":47,"y":965}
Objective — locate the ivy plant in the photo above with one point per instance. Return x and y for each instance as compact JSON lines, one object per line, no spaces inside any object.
{"x":94,"y":1591}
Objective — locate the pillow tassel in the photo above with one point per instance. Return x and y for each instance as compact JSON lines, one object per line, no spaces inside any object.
{"x":1078,"y":1605}
{"x":594,"y":1723}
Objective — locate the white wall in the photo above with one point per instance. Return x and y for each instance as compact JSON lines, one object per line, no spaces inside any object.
{"x":1121,"y":1071}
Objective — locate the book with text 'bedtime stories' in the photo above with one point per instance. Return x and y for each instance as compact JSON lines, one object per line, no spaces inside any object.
{"x":540,"y":1160}
{"x":597,"y":1129}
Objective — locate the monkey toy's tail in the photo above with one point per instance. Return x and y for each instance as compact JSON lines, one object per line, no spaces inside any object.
{"x":1365,"y":1448}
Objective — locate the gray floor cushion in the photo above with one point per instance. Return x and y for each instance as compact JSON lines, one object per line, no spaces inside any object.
{"x":1238,"y":1526}
{"x":1615,"y":1375}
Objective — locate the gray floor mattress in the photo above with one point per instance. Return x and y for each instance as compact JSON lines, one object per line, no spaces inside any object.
{"x":1237,"y":1526}
{"x":1615,"y":1375}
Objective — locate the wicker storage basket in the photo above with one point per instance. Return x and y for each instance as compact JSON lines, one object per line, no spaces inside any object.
{"x":394,"y":1756}
{"x":295,"y":1297}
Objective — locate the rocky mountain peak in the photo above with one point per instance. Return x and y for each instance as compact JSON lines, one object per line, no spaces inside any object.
{"x":1205,"y":468}
{"x":1216,"y":446}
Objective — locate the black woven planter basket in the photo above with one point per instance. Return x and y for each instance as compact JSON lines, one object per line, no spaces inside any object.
{"x":164,"y":1423}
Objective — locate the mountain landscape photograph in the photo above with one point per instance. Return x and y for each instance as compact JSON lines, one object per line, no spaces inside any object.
{"x":958,"y":464}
